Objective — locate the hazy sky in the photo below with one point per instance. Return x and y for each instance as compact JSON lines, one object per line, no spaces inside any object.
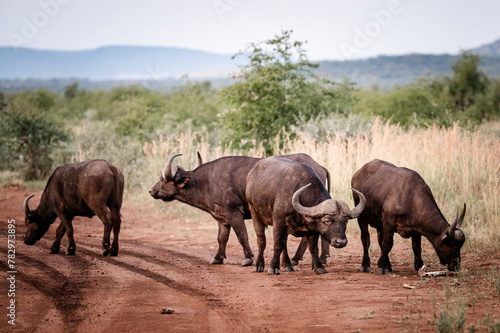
{"x":333,"y":29}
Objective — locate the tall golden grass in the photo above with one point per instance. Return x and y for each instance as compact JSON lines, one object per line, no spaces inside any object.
{"x":459,"y":166}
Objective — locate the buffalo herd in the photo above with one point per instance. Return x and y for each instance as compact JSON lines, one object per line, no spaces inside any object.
{"x":289,"y":192}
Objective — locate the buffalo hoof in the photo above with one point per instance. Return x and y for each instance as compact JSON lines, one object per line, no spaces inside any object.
{"x":383,"y":270}
{"x":295,"y":262}
{"x":113,"y":253}
{"x":106,"y":252}
{"x":320,"y":270}
{"x":247,"y":262}
{"x":54,"y":251}
{"x":322,"y":260}
{"x":366,"y":269}
{"x":216,"y":261}
{"x":273,"y":271}
{"x":290,"y":269}
{"x":258,"y":269}
{"x":70,"y":252}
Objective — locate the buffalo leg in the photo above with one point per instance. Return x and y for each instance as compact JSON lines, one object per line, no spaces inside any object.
{"x":299,"y":254}
{"x":260,"y":231}
{"x":279,"y":235}
{"x":238,"y":224}
{"x":61,"y":230}
{"x":66,"y":222}
{"x":107,"y":220}
{"x":285,"y":259}
{"x":222,"y":238}
{"x":317,"y":266}
{"x":117,"y":221}
{"x":386,"y":241}
{"x":325,"y":250}
{"x":416,"y":244}
{"x":365,"y":240}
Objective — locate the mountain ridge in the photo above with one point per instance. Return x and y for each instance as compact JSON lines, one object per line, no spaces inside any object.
{"x":125,"y":64}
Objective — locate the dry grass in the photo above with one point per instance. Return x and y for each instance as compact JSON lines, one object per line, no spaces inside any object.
{"x":459,"y":166}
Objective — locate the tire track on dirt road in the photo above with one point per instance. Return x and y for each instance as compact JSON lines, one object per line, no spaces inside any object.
{"x":119,"y":262}
{"x":65,"y":292}
{"x":191,"y":284}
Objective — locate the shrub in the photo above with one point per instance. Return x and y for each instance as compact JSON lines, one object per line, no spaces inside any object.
{"x":27,"y":139}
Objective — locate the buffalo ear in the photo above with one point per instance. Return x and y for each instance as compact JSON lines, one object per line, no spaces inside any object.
{"x":182,"y":181}
{"x":445,"y":236}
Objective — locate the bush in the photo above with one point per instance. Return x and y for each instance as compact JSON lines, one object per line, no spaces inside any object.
{"x":28,"y":138}
{"x":468,"y":96}
{"x":276,"y":89}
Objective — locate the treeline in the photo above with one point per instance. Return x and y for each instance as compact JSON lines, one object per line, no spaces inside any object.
{"x":468,"y":96}
{"x":387,"y":71}
{"x":273,"y":95}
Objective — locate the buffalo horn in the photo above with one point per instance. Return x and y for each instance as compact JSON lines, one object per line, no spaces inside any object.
{"x":307,"y":211}
{"x":457,"y":223}
{"x":26,"y":207}
{"x":167,"y":171}
{"x":200,"y":160}
{"x":356,"y":211}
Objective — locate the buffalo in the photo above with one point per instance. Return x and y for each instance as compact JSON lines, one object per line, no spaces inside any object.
{"x":399,"y":200}
{"x":291,"y":197}
{"x":81,"y":189}
{"x":218,"y":188}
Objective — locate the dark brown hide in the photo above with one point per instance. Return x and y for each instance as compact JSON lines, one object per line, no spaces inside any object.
{"x":82,"y":189}
{"x":218,"y":187}
{"x":290,"y":197}
{"x":399,"y":200}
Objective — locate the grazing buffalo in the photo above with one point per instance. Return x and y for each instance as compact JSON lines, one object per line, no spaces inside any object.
{"x":82,"y":189}
{"x":290,"y":197}
{"x":218,"y":187}
{"x":399,"y":200}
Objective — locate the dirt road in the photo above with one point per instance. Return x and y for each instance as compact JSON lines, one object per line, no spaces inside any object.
{"x":164,"y":263}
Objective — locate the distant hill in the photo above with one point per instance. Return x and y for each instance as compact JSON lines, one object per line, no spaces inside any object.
{"x":386,"y":71}
{"x":113,"y":63}
{"x":491,"y":49}
{"x":161,"y":67}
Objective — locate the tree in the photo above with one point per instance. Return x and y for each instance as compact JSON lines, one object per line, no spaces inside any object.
{"x":468,"y":81}
{"x":70,"y":90}
{"x":275,"y":89}
{"x":2,"y":100}
{"x":28,"y":137}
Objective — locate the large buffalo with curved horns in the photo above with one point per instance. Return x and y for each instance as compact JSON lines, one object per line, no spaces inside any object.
{"x":81,"y":189}
{"x":290,"y":197}
{"x":399,"y":200}
{"x":218,"y":187}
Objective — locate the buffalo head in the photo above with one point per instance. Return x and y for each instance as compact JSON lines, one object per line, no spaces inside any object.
{"x":330,"y":217}
{"x":36,"y":224}
{"x":451,"y":242}
{"x":172,"y":179}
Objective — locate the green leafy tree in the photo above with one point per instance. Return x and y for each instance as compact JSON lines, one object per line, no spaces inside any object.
{"x":275,"y":89}
{"x":468,"y":96}
{"x":412,"y":106}
{"x":194,"y":102}
{"x":70,"y":90}
{"x":468,"y":81}
{"x":28,"y":137}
